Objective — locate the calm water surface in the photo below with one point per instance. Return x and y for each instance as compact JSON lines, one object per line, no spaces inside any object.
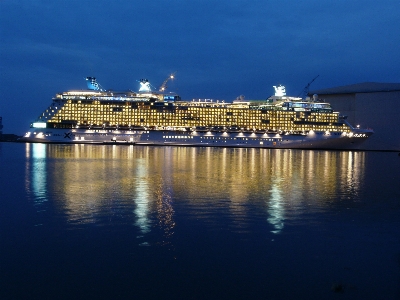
{"x":126,"y":222}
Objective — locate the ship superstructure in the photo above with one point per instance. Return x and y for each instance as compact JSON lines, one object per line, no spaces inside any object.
{"x":158,"y":118}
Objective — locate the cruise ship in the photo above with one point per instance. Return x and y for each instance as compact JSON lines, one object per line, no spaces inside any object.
{"x":153,"y":117}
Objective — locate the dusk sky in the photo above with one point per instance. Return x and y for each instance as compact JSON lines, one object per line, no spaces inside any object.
{"x":218,"y":49}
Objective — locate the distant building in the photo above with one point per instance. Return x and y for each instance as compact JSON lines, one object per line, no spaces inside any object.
{"x":7,"y":137}
{"x":370,"y":105}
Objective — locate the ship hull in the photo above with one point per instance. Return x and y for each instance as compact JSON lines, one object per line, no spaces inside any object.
{"x":311,"y":140}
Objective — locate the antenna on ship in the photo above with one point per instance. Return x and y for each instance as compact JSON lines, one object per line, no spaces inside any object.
{"x":163,"y":87}
{"x":92,"y":84}
{"x":307,"y":88}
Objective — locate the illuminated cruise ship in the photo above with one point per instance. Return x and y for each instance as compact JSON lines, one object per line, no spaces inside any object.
{"x":149,"y":117}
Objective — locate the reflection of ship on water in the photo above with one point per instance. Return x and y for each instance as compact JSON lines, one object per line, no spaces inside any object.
{"x":276,"y":209}
{"x":92,"y":184}
{"x":164,"y":199}
{"x":100,"y":185}
{"x":165,"y":212}
{"x":140,"y":198}
{"x":36,"y":184}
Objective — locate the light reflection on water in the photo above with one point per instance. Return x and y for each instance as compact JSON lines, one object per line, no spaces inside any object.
{"x":218,"y":223}
{"x":36,"y":172}
{"x":103,"y":185}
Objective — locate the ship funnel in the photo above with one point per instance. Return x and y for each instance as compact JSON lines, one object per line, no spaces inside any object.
{"x":280,"y":90}
{"x":92,"y":84}
{"x":144,"y":86}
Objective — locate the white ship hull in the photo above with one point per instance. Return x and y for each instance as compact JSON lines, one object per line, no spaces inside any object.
{"x":311,"y":140}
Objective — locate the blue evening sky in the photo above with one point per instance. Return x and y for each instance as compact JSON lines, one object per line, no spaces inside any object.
{"x":219,"y":49}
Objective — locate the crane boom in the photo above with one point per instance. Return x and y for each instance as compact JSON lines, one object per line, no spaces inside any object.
{"x":164,"y":84}
{"x":307,"y":87}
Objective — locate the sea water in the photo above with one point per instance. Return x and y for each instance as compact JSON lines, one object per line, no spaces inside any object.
{"x":138,"y":222}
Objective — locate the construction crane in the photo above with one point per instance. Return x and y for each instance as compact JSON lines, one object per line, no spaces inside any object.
{"x":307,"y":88}
{"x":164,"y":84}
